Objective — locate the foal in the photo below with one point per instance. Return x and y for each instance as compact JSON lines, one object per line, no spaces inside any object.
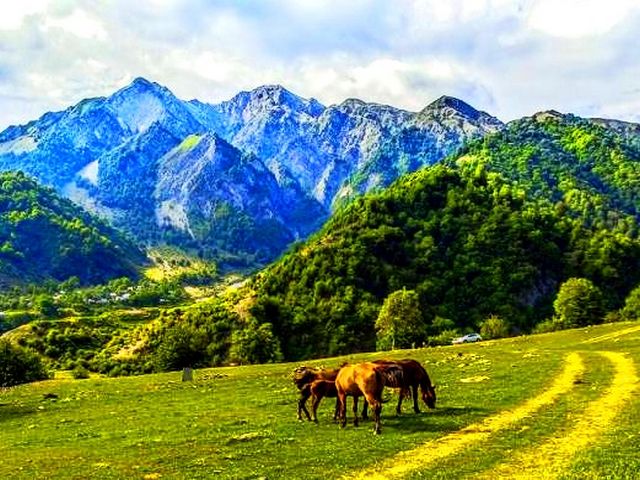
{"x":320,"y":389}
{"x":303,"y":377}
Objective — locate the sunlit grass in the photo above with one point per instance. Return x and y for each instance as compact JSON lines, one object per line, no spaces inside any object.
{"x":234,"y":423}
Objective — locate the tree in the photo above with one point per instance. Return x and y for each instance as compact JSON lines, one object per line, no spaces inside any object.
{"x":255,"y":343}
{"x":494,"y":327}
{"x":399,"y":322}
{"x":181,"y":346}
{"x":578,"y":303}
{"x":631,"y":309}
{"x":19,"y":365}
{"x":46,"y":306}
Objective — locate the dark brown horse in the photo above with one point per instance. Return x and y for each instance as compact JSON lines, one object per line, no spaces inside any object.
{"x":414,"y":375}
{"x":303,"y":377}
{"x":368,"y":380}
{"x":320,"y":389}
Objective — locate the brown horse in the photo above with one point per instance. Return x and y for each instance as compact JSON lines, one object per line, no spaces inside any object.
{"x":368,"y":380}
{"x":320,"y":389}
{"x":414,"y":375}
{"x":303,"y":377}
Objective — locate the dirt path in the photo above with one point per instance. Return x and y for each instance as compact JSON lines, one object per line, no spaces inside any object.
{"x":404,"y":462}
{"x":613,"y":336}
{"x":555,"y":455}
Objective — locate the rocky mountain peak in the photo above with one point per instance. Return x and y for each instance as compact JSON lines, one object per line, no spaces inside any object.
{"x":446,"y":102}
{"x":548,"y":115}
{"x":270,"y":97}
{"x":446,"y":109}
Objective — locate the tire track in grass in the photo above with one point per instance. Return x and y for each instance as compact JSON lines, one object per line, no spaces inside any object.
{"x":554,"y":456}
{"x":418,"y":458}
{"x":613,"y":336}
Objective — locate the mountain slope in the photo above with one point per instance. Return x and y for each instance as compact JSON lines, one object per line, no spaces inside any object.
{"x":589,"y":168}
{"x":349,"y":148}
{"x":470,"y":242}
{"x":43,"y":236}
{"x":223,"y":198}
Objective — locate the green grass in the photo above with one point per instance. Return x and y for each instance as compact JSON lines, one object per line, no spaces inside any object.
{"x":240,"y":423}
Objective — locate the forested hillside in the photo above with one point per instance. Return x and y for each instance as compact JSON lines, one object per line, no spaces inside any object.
{"x":590,"y":169}
{"x":43,"y":236}
{"x":470,"y":242}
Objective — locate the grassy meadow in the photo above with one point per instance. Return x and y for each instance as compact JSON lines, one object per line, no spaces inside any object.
{"x":563,"y":405}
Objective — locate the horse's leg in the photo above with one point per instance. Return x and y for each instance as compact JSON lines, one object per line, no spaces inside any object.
{"x":365,"y":413}
{"x":376,"y":406}
{"x":416,"y":408}
{"x":302,"y":404}
{"x":314,"y":404}
{"x":336,"y":413}
{"x":399,"y":407}
{"x":377,"y":412}
{"x":342,"y":398}
{"x":355,"y":410}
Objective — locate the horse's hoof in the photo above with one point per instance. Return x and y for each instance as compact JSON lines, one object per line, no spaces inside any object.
{"x":376,"y":432}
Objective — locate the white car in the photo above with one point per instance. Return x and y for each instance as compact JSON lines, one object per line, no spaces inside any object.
{"x":469,"y":338}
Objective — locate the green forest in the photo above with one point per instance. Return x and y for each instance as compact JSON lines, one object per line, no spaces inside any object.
{"x":45,"y":237}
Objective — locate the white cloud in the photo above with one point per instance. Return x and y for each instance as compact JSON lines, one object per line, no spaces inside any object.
{"x":510,"y":58}
{"x":14,"y":13}
{"x":579,"y":18}
{"x":80,"y":24}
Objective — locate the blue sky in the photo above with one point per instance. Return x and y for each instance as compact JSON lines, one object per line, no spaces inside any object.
{"x":510,"y":58}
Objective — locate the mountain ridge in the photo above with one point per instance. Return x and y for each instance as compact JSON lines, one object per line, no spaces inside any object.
{"x":105,"y":152}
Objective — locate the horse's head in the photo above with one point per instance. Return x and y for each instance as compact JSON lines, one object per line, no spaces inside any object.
{"x":429,"y":395}
{"x":303,"y":375}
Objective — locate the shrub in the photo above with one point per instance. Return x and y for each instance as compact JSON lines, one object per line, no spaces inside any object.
{"x":255,"y":343}
{"x":80,"y":372}
{"x":546,"y":327}
{"x":494,"y":327}
{"x":19,"y":365}
{"x":444,"y":338}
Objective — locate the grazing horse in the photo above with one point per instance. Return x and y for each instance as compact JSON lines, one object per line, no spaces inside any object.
{"x":414,"y":375}
{"x":368,"y":380}
{"x":303,"y":377}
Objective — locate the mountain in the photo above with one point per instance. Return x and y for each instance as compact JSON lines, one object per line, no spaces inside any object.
{"x":220,"y":196}
{"x":588,"y":168}
{"x":470,"y":242}
{"x":341,"y":150}
{"x":107,"y":155}
{"x":43,"y":236}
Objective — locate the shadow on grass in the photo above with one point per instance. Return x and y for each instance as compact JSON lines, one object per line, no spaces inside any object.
{"x":9,"y":411}
{"x":429,"y":421}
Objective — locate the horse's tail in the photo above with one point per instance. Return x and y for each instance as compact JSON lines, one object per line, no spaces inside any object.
{"x":425,"y":381}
